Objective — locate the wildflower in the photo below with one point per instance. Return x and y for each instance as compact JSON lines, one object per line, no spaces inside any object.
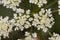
{"x":38,"y":2}
{"x":43,"y":20}
{"x":10,"y":3}
{"x":55,"y":37}
{"x":22,"y":21}
{"x":4,"y":27}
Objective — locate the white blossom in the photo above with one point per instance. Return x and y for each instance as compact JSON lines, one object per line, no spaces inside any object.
{"x":27,"y":33}
{"x":34,"y":35}
{"x":55,"y":37}
{"x":28,"y":11}
{"x":30,"y":19}
{"x":22,"y":21}
{"x":5,"y":26}
{"x":38,"y":2}
{"x":10,"y":3}
{"x":19,"y":10}
{"x":43,"y":20}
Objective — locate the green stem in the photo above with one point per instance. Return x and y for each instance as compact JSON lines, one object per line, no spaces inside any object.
{"x":54,"y":11}
{"x":49,"y":33}
{"x":39,"y":35}
{"x":51,"y":4}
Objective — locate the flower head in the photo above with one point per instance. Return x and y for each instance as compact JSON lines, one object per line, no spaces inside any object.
{"x":30,"y":37}
{"x":43,"y":20}
{"x":10,"y":3}
{"x":55,"y":37}
{"x":4,"y":27}
{"x":38,"y":2}
{"x":22,"y":21}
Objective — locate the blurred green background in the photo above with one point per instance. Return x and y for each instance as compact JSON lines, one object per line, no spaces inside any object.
{"x":53,"y":4}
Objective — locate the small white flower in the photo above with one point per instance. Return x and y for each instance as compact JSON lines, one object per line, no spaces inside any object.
{"x":30,"y":19}
{"x":34,"y":35}
{"x":28,"y":11}
{"x":38,"y":2}
{"x":20,"y":10}
{"x":26,"y":26}
{"x":36,"y":15}
{"x":16,"y":28}
{"x":42,"y":11}
{"x":14,"y":8}
{"x":27,"y":33}
{"x":33,"y":1}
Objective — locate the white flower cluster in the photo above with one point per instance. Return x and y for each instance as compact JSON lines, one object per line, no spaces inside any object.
{"x":55,"y":37}
{"x":43,"y":20}
{"x":22,"y":20}
{"x":38,"y":2}
{"x":10,"y":3}
{"x":30,"y":37}
{"x":59,"y":7}
{"x":5,"y":27}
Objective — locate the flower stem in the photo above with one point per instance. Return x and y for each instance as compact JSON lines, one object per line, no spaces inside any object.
{"x":51,"y":4}
{"x":54,"y":11}
{"x":49,"y":33}
{"x":39,"y":35}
